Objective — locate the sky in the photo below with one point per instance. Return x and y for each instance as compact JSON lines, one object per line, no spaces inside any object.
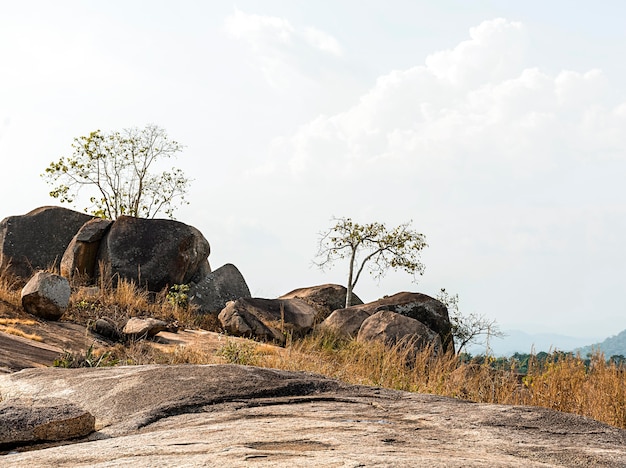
{"x":497,"y":128}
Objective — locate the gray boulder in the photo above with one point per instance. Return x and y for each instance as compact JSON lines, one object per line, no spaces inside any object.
{"x":154,"y":252}
{"x":46,"y":295}
{"x":267,"y":319}
{"x":81,"y":256}
{"x":395,"y":329}
{"x":426,"y":309}
{"x":324,"y":298}
{"x":22,"y":423}
{"x":345,"y":322}
{"x":217,"y":288}
{"x":38,"y":239}
{"x":139,"y":327}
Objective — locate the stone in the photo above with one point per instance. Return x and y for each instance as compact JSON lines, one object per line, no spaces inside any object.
{"x":267,"y":319}
{"x":395,"y":329}
{"x":345,"y":322}
{"x":155,"y":253}
{"x":325,"y":298}
{"x":426,"y":309}
{"x":217,"y":288}
{"x":37,"y":240}
{"x":139,"y":327}
{"x":226,"y":415}
{"x":22,"y":423}
{"x":81,"y":255}
{"x":106,"y":327}
{"x":46,"y":295}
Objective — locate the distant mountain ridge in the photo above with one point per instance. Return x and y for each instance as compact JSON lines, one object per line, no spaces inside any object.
{"x":518,"y":341}
{"x":612,"y":346}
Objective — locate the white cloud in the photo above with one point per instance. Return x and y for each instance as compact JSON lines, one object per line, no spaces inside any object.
{"x":259,"y":31}
{"x":500,"y":165}
{"x":322,"y":41}
{"x":286,"y":54}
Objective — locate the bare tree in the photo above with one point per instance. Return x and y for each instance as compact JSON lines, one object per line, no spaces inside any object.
{"x":372,"y":246}
{"x":116,"y":169}
{"x":467,"y":329}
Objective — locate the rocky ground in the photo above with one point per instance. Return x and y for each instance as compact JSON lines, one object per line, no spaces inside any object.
{"x":227,"y":415}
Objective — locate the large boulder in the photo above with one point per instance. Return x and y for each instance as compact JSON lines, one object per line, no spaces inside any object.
{"x":218,"y":288}
{"x":426,"y":309}
{"x":324,"y":298}
{"x":81,"y":256}
{"x":38,"y":239}
{"x":395,"y":329}
{"x":154,"y":252}
{"x":267,"y":319}
{"x":46,"y":295}
{"x":345,"y":322}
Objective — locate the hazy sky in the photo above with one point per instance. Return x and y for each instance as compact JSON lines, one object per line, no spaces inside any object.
{"x":498,"y":127}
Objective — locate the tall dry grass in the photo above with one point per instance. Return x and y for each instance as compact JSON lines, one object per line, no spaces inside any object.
{"x":563,"y":382}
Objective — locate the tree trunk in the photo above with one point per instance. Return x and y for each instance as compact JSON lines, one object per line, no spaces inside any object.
{"x":350,"y":274}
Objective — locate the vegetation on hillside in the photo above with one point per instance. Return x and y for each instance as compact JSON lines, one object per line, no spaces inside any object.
{"x":613,"y":346}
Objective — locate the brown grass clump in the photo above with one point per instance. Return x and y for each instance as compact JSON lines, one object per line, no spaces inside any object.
{"x":18,"y":332}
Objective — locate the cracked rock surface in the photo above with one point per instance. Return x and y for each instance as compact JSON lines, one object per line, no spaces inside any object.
{"x":226,"y":415}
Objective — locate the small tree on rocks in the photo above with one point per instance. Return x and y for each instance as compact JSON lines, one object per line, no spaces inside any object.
{"x":370,"y":246}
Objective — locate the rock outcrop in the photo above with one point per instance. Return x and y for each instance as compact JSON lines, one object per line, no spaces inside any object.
{"x":46,"y":295}
{"x":421,"y":307}
{"x":324,"y":298}
{"x":217,"y":288}
{"x":267,"y":319}
{"x":229,"y":415}
{"x":143,"y":327}
{"x":154,"y":252}
{"x":22,"y":423}
{"x":81,"y":256}
{"x":395,"y":329}
{"x":345,"y":322}
{"x":38,"y":239}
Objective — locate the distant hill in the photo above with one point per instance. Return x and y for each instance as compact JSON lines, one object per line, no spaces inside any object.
{"x":612,"y":346}
{"x":517,"y":341}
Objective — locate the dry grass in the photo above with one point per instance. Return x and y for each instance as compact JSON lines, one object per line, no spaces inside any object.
{"x":18,"y":332}
{"x":597,"y":391}
{"x":565,"y":383}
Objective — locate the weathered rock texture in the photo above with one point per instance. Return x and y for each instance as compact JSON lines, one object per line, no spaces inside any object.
{"x":22,"y":423}
{"x":154,"y":252}
{"x":345,"y":322}
{"x":267,"y":319}
{"x":81,"y":256}
{"x":143,"y":327}
{"x":426,"y":309}
{"x":46,"y":295}
{"x":395,"y":329}
{"x":324,"y":298}
{"x":217,"y":288}
{"x":240,"y":416}
{"x":38,"y":239}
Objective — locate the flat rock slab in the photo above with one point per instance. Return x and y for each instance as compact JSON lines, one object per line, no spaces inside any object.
{"x":18,"y":353}
{"x":21,"y":422}
{"x":238,"y":416}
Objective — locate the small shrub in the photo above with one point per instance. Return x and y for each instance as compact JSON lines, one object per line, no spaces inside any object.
{"x":178,"y":296}
{"x":91,"y":358}
{"x":242,"y":353}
